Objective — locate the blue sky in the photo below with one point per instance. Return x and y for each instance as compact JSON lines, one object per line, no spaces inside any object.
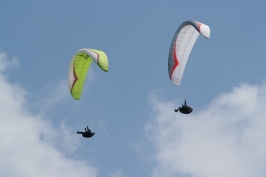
{"x":131,"y":107}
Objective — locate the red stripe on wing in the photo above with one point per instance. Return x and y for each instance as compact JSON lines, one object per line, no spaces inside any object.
{"x":176,"y":63}
{"x":75,"y":77}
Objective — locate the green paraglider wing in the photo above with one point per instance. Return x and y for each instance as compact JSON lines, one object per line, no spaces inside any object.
{"x":79,"y":67}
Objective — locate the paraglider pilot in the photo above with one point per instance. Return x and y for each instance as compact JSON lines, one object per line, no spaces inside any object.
{"x":185,"y":109}
{"x":87,"y":133}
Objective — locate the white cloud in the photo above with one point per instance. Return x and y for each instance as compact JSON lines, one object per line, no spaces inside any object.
{"x":14,"y":63}
{"x":227,"y":138}
{"x":29,"y":143}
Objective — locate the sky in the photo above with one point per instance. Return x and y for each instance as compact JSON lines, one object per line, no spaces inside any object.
{"x":131,"y":107}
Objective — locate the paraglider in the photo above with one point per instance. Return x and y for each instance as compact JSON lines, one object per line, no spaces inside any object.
{"x":79,"y":67}
{"x":185,"y":109}
{"x":87,"y":133}
{"x":181,"y":46}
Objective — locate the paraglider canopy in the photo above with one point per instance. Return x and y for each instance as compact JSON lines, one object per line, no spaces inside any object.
{"x":181,"y":46}
{"x":79,"y":67}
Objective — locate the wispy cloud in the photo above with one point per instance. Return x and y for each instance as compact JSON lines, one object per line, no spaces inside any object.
{"x":8,"y":64}
{"x":118,"y":173}
{"x":29,"y":145}
{"x":53,"y":93}
{"x":227,"y":138}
